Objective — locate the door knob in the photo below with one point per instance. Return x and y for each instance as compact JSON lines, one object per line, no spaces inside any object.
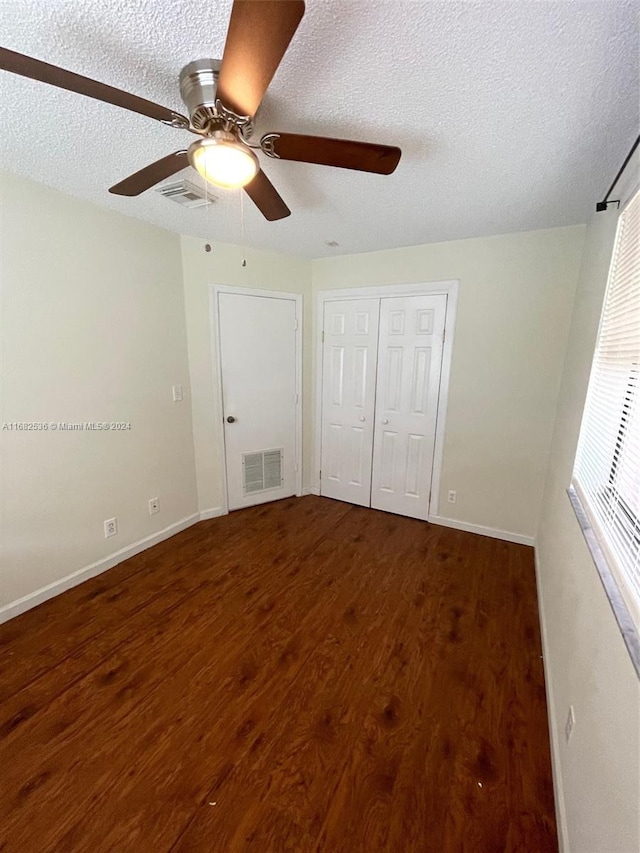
{"x":362,"y":418}
{"x":231,"y":419}
{"x":385,"y":421}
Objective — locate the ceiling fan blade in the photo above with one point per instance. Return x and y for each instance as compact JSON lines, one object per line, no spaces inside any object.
{"x":345,"y":153}
{"x":151,"y":174}
{"x":258,"y":37}
{"x":266,"y":198}
{"x":18,"y":63}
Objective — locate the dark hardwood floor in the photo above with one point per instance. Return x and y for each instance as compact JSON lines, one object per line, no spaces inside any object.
{"x":301,"y":676}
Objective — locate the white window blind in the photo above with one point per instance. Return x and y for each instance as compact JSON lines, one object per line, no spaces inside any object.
{"x":606,"y":475}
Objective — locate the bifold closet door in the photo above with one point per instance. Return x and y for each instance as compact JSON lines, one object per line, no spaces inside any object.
{"x":348,"y":398}
{"x":407,"y":390}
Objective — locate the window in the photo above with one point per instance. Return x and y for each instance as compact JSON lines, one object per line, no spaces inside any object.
{"x":606,"y":476}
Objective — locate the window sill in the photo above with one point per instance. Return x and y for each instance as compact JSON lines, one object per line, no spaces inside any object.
{"x":626,"y":624}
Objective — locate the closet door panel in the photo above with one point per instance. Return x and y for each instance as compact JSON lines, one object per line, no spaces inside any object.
{"x":348,"y":397}
{"x":407,"y":391}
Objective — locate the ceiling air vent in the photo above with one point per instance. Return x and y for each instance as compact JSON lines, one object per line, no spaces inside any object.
{"x":187,"y":194}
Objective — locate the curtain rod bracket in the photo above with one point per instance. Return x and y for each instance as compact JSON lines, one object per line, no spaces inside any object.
{"x":602,"y":205}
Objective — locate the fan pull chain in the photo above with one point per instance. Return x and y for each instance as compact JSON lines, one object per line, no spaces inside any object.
{"x":207,"y":207}
{"x":242,"y":243}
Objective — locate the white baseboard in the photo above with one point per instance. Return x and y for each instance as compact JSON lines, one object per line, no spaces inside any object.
{"x":214,"y":512}
{"x":558,"y":793}
{"x":518,"y":538}
{"x":311,"y":490}
{"x":38,"y":596}
{"x":15,"y":608}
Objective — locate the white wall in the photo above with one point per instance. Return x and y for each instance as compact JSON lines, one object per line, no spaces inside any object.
{"x":223,"y":265}
{"x":514,"y":308}
{"x":586,"y":661}
{"x":93,"y":328}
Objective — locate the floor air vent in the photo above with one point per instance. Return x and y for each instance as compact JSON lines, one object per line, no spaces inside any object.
{"x":187,"y":194}
{"x":262,"y":471}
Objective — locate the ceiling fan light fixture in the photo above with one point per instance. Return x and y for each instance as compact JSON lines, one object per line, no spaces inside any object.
{"x":222,"y":159}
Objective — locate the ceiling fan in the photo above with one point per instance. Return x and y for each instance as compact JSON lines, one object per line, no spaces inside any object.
{"x":222,"y":98}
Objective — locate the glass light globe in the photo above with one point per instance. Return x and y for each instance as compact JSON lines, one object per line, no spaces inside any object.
{"x":224,"y":160}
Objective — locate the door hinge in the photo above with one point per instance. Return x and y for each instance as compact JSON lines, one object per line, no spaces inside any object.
{"x":320,"y":474}
{"x":444,"y":334}
{"x":322,"y":336}
{"x":297,"y":399}
{"x":296,"y":324}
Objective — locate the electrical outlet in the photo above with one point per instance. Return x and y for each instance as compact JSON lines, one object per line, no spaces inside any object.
{"x":154,"y":506}
{"x":568,"y":726}
{"x":452,"y":496}
{"x":110,"y":527}
{"x":177,"y":393}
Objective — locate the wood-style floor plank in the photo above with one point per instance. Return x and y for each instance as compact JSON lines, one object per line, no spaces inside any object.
{"x":330,"y":678}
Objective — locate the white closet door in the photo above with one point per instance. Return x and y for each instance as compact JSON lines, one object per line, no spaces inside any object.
{"x":348,"y":398}
{"x":408,"y":383}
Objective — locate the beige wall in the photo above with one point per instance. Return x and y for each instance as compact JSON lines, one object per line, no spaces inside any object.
{"x":587,"y":664}
{"x":223,"y":265}
{"x":96,"y":306}
{"x":92,"y":329}
{"x":514,"y":308}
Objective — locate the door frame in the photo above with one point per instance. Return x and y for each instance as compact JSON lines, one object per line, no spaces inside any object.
{"x":216,"y":363}
{"x":448,"y":288}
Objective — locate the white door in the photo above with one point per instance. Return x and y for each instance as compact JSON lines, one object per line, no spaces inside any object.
{"x":407,"y":389}
{"x":258,"y":367}
{"x":348,"y":398}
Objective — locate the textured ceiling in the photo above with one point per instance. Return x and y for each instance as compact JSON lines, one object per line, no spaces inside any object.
{"x":511,"y":115}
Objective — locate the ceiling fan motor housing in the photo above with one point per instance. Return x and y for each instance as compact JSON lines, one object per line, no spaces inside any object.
{"x":198,"y":86}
